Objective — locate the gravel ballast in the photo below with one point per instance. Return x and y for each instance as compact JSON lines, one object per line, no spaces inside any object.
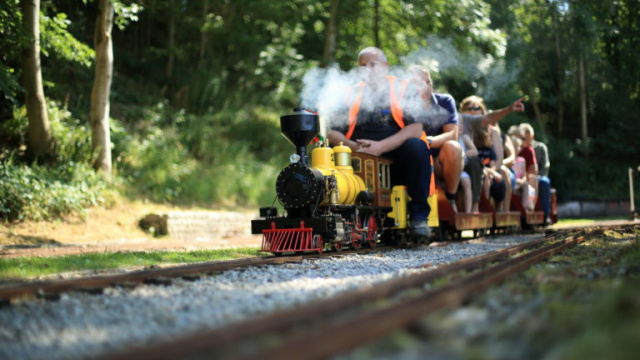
{"x":81,"y":325}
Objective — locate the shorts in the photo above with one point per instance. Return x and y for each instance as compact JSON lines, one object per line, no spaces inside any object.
{"x":498,"y":190}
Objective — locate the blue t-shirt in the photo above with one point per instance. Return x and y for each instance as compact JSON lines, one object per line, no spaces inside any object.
{"x":486,"y":155}
{"x":442,"y":112}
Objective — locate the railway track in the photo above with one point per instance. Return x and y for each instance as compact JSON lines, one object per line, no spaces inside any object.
{"x":326,"y":328}
{"x":51,"y":289}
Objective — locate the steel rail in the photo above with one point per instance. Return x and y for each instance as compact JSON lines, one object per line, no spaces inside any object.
{"x":204,"y":341}
{"x":49,"y":287}
{"x":374,"y":324}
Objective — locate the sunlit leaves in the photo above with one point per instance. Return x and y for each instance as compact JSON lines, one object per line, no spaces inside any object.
{"x":56,"y":39}
{"x":125,"y":14}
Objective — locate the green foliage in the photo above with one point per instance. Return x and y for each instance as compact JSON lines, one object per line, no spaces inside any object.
{"x":157,"y":164}
{"x":229,"y":158}
{"x":11,"y":41}
{"x":124,"y":15}
{"x":198,"y":86}
{"x":56,"y":38}
{"x":43,"y":193}
{"x":72,"y":137}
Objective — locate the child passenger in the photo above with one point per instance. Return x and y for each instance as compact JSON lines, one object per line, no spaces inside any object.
{"x":523,"y":187}
{"x":493,"y":185}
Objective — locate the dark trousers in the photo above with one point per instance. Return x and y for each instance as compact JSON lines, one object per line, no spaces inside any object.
{"x":544,"y":192}
{"x":412,"y":167}
{"x":475,"y":168}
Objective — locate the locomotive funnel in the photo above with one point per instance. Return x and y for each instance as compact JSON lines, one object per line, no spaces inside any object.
{"x":300,"y":128}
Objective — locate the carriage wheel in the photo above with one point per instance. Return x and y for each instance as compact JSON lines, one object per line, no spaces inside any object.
{"x":371,"y":235}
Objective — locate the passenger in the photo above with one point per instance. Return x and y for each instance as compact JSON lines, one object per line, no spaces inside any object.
{"x":437,"y":112}
{"x":542,"y":158}
{"x":508,"y":162}
{"x":493,"y":184}
{"x":523,"y":169}
{"x":473,"y":164}
{"x":474,"y":109}
{"x":376,"y":125}
{"x":475,"y":116}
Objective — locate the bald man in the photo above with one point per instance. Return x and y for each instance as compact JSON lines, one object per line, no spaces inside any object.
{"x":376,"y":124}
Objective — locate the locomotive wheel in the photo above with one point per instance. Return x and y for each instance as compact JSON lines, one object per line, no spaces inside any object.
{"x":336,"y":246}
{"x":371,"y":235}
{"x":318,"y":242}
{"x":357,"y":235}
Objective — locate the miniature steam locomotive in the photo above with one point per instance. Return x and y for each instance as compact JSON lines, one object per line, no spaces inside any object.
{"x":344,"y":199}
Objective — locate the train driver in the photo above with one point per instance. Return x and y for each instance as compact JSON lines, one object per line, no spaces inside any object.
{"x":377,"y":125}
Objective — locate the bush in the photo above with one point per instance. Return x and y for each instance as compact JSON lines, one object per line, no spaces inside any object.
{"x":44,"y":193}
{"x":155,"y":166}
{"x":72,"y":137}
{"x":229,"y":158}
{"x":593,"y":177}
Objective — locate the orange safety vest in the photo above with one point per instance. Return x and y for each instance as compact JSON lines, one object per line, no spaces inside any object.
{"x":396,"y":113}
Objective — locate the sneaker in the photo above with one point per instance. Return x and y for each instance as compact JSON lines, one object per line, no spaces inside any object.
{"x":420,"y":228}
{"x":547,"y":221}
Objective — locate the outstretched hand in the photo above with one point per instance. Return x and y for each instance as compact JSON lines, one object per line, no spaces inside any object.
{"x":518,"y":104}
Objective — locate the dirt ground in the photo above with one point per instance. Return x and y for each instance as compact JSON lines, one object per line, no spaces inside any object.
{"x":114,"y":229}
{"x":102,"y":230}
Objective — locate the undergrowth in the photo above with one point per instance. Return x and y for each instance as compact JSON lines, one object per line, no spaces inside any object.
{"x":229,"y":159}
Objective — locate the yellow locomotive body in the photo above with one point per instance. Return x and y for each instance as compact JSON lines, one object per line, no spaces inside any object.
{"x":339,"y":199}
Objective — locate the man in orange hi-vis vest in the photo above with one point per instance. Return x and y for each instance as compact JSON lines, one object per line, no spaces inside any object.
{"x":376,"y":125}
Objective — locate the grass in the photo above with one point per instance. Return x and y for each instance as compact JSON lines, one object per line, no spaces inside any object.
{"x":591,"y":292}
{"x":31,"y":267}
{"x":589,"y":220}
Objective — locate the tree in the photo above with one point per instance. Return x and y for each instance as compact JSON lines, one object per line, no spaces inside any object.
{"x":99,"y":116}
{"x":330,"y":34}
{"x":40,"y":140}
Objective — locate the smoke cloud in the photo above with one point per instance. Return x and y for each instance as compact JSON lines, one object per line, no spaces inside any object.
{"x":326,"y":90}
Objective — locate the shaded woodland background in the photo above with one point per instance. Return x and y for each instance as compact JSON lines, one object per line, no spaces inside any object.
{"x":198,"y":87}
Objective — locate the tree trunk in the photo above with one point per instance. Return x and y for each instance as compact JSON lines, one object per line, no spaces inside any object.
{"x":40,"y":140}
{"x":204,"y":34}
{"x":376,"y":23}
{"x":168,"y":71}
{"x":330,"y":35}
{"x":535,"y":105}
{"x":583,"y":102}
{"x":559,"y":72}
{"x":100,"y":136}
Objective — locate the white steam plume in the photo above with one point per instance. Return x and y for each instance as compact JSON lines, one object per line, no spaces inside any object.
{"x":325,"y":90}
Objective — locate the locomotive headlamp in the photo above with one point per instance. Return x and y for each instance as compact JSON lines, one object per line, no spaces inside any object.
{"x":294,"y":158}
